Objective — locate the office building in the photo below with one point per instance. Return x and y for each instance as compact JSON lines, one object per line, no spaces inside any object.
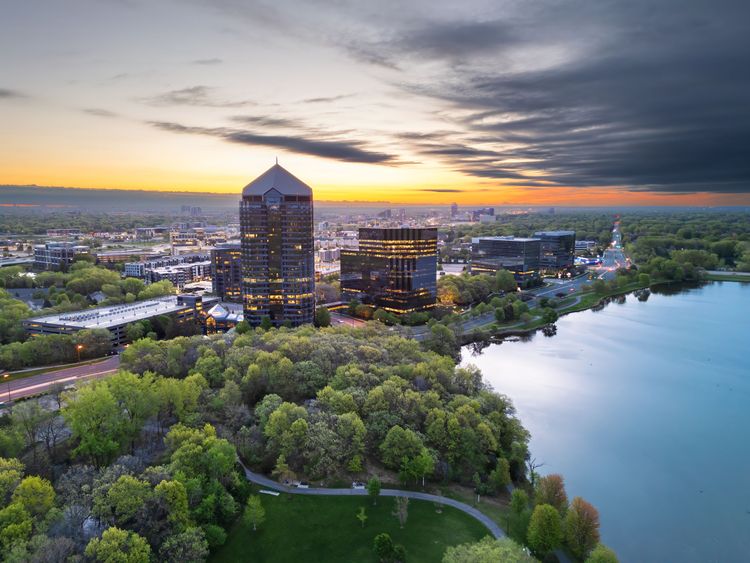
{"x":116,"y":318}
{"x":395,"y":269}
{"x":518,"y":255}
{"x":226,"y":272}
{"x":585,"y":245}
{"x":454,"y":210}
{"x":57,"y":255}
{"x":557,"y":249}
{"x":278,"y":262}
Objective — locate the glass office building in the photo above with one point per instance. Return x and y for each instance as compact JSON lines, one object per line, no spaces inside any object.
{"x":394,"y":269}
{"x":557,"y":249}
{"x":226,"y":272}
{"x":518,"y":255}
{"x":278,"y":268}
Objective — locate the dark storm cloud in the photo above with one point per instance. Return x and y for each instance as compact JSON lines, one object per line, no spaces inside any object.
{"x":651,"y":97}
{"x":264,"y":121}
{"x":326,"y":99}
{"x":336,"y":149}
{"x":193,"y":96}
{"x":5,"y":93}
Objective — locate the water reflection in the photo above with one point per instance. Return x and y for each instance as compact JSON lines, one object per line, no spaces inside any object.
{"x":645,"y":411}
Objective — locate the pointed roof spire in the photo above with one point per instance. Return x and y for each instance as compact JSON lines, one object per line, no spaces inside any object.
{"x":279,"y":179}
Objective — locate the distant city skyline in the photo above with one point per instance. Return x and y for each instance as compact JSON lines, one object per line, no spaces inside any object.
{"x":484,"y":103}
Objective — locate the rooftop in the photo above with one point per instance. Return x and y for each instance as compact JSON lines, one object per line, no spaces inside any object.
{"x":115,"y":315}
{"x":277,"y":178}
{"x":512,"y":239}
{"x":554,"y":233}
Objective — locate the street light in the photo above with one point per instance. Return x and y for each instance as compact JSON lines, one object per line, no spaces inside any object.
{"x":79,"y":347}
{"x":6,"y":377}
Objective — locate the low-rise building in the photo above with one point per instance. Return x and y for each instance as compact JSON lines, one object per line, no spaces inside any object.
{"x":57,"y":255}
{"x":115,"y":318}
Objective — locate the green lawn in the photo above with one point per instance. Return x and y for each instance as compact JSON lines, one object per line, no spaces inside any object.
{"x":302,"y":528}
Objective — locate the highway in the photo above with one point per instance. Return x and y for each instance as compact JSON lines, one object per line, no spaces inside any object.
{"x":41,"y":383}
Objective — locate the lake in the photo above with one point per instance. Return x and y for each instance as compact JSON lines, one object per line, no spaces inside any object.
{"x":644,"y":408}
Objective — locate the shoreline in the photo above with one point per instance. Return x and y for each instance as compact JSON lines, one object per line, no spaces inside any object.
{"x":488,"y":335}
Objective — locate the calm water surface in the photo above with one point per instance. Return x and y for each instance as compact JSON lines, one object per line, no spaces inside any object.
{"x":644,"y":407}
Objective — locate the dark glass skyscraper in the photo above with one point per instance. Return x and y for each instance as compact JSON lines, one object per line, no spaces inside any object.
{"x":278,"y":268}
{"x":395,"y":269}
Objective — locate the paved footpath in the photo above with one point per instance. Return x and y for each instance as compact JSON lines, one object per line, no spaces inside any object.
{"x":264,"y":481}
{"x":41,"y":383}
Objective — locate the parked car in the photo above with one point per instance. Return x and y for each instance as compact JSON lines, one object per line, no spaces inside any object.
{"x":303,"y":485}
{"x":358,"y":485}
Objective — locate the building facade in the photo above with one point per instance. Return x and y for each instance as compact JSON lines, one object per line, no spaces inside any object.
{"x":395,"y":269}
{"x":57,"y":255}
{"x":518,"y":255}
{"x":226,"y":272}
{"x":278,"y":260}
{"x":557,"y":250}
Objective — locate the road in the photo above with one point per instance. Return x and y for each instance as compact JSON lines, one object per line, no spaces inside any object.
{"x":337,"y":319}
{"x":35,"y":384}
{"x":490,"y":524}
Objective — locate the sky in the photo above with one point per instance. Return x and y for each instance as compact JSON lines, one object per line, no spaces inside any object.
{"x":539,"y":102}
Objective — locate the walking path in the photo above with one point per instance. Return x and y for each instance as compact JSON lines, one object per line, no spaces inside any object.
{"x":264,"y":481}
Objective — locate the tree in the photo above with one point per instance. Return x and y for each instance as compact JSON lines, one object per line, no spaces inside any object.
{"x":15,"y":525}
{"x":549,"y":315}
{"x":519,"y":501}
{"x":373,"y":489}
{"x":96,"y":422}
{"x":119,"y":546}
{"x":499,"y":478}
{"x":545,"y":530}
{"x":442,"y":340}
{"x":423,"y":464}
{"x":362,"y":516}
{"x":242,"y":327}
{"x":36,"y":495}
{"x":400,"y":443}
{"x":644,"y":279}
{"x":487,"y":550}
{"x":122,"y":500}
{"x":322,"y":317}
{"x":255,"y":514}
{"x":95,"y":342}
{"x":265,"y":323}
{"x":401,"y":510}
{"x":581,"y":527}
{"x":11,"y":472}
{"x":602,"y":554}
{"x":387,"y":551}
{"x":551,"y":490}
{"x":172,"y":495}
{"x":189,"y":546}
{"x":505,"y":281}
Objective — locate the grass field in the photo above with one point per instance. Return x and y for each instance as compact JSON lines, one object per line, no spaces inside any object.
{"x":311,"y":528}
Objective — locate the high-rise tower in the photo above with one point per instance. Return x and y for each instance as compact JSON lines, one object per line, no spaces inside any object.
{"x":278,"y":268}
